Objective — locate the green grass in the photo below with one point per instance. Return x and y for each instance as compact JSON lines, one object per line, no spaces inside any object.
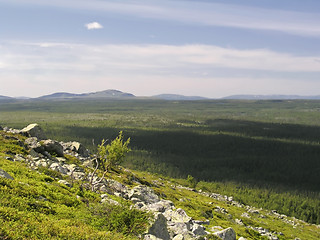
{"x":35,"y":206}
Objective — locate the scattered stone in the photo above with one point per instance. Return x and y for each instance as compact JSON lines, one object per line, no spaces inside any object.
{"x":33,"y":143}
{"x":57,"y":167}
{"x":33,"y":130}
{"x":246,"y":215}
{"x":19,"y":158}
{"x":220,"y":210}
{"x":239,"y":222}
{"x":226,"y":234}
{"x":4,"y":174}
{"x":64,"y":182}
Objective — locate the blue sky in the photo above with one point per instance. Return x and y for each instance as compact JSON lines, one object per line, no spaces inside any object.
{"x":210,"y":48}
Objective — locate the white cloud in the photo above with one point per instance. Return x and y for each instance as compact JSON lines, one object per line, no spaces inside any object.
{"x":93,"y":25}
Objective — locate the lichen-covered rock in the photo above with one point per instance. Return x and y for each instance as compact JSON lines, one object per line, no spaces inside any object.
{"x":144,"y":193}
{"x":4,"y":174}
{"x":33,"y":130}
{"x":226,"y":234}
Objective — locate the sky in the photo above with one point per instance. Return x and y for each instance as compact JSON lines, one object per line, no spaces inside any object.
{"x":209,"y":48}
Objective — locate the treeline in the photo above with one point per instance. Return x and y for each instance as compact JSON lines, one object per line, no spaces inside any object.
{"x":304,"y":205}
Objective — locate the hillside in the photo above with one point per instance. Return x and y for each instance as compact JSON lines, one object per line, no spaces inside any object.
{"x":46,"y":191}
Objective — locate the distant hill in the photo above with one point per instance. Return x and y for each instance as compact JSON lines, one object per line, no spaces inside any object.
{"x":100,"y":94}
{"x":177,"y":97}
{"x":270,"y":97}
{"x":4,"y":97}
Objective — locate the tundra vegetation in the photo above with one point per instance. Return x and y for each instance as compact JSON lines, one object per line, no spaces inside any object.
{"x":263,"y":153}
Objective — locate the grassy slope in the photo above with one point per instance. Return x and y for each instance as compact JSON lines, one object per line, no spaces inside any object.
{"x":35,"y":206}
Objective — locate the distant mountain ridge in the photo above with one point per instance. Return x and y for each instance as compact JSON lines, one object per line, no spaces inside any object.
{"x":101,"y":94}
{"x":177,"y":97}
{"x":116,"y":94}
{"x":270,"y":97}
{"x":5,"y":97}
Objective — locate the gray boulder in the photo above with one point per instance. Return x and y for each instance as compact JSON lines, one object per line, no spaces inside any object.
{"x":4,"y":174}
{"x":159,"y":227}
{"x":226,"y":234}
{"x":144,"y":193}
{"x":198,"y":229}
{"x":53,"y":147}
{"x":178,"y":215}
{"x":33,"y":130}
{"x":76,"y":147}
{"x":161,"y":206}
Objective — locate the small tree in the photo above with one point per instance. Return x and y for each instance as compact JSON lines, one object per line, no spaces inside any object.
{"x":110,"y":155}
{"x":113,"y":153}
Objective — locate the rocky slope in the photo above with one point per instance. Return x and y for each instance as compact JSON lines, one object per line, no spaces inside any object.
{"x":179,"y":212}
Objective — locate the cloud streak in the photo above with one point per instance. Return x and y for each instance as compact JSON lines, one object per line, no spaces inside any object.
{"x":150,"y":57}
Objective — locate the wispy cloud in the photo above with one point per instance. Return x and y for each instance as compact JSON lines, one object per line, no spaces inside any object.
{"x":191,"y":69}
{"x":93,"y":25}
{"x":202,"y":13}
{"x":142,"y":57}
